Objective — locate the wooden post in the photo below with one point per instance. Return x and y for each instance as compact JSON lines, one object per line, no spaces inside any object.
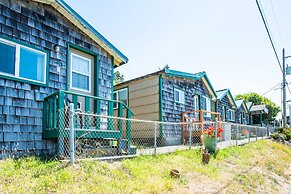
{"x":183,"y":127}
{"x":128,"y":130}
{"x":201,"y":125}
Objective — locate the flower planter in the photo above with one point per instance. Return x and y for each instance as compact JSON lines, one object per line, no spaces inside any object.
{"x":209,"y":144}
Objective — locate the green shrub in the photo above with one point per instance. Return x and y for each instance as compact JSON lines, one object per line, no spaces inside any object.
{"x":287,"y":132}
{"x":283,"y":134}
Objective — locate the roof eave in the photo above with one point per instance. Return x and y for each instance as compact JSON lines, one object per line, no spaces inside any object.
{"x":82,"y":24}
{"x":201,"y":75}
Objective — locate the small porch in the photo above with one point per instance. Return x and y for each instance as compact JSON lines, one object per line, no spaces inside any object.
{"x":90,"y":130}
{"x":204,"y":119}
{"x":257,"y":113}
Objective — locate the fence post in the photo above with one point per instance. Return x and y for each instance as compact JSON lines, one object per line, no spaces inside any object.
{"x":190,"y":131}
{"x":236,"y":135}
{"x":72,"y":134}
{"x":249,"y":134}
{"x":216,"y":125}
{"x":256,"y":133}
{"x":155,"y":139}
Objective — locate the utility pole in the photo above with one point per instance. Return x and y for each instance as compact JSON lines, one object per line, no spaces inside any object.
{"x":284,"y":91}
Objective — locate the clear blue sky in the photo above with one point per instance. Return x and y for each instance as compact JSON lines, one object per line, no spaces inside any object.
{"x":225,"y":38}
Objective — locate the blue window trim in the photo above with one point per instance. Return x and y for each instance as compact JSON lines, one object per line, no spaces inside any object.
{"x":19,"y":79}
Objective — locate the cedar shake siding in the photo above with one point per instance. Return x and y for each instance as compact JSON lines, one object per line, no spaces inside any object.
{"x":224,"y":103}
{"x":172,"y":111}
{"x":151,"y":97}
{"x":241,"y":110}
{"x":40,"y":26}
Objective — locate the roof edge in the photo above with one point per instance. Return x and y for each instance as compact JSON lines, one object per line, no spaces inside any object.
{"x":87,"y":28}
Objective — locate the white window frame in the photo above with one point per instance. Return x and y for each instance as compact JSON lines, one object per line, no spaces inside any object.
{"x":117,"y":96}
{"x":223,"y":116}
{"x":181,"y":96}
{"x":208,"y":106}
{"x":196,"y":102}
{"x":17,"y":61}
{"x":71,"y":72}
{"x":232,"y":115}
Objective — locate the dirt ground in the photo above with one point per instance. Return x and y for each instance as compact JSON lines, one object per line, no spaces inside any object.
{"x":255,"y":176}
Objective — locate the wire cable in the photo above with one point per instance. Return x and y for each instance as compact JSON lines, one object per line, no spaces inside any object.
{"x":271,"y":89}
{"x":277,"y":24}
{"x":269,"y":34}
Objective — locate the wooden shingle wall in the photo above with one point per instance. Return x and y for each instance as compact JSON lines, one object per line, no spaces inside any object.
{"x":21,"y":103}
{"x":238,"y":113}
{"x":171,"y":111}
{"x":224,"y":102}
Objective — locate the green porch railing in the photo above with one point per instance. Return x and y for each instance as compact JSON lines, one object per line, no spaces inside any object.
{"x":59,"y":102}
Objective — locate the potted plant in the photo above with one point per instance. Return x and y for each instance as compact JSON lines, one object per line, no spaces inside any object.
{"x":244,"y":134}
{"x":209,"y":138}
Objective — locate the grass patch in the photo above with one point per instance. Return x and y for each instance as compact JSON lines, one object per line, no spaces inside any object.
{"x":250,"y":168}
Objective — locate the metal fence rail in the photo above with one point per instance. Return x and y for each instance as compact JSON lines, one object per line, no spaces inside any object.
{"x":94,"y":136}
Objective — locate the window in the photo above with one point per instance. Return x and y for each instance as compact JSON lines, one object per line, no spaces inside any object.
{"x":22,"y":62}
{"x":179,"y":96}
{"x":243,"y":117}
{"x":231,"y":115}
{"x":223,"y":114}
{"x":196,"y":106}
{"x":120,"y":95}
{"x":196,"y":102}
{"x":206,"y":105}
{"x":80,"y":73}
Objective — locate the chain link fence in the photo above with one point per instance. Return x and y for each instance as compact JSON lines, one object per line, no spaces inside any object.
{"x":85,"y":135}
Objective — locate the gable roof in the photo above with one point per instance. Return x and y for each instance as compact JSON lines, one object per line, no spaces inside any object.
{"x":62,"y":7}
{"x":241,"y":102}
{"x":197,"y":76}
{"x":222,"y":93}
{"x":261,"y":107}
{"x":249,"y":105}
{"x":168,"y":72}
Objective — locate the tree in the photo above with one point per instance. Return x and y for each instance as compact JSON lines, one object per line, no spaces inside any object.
{"x":257,"y":99}
{"x":118,"y":77}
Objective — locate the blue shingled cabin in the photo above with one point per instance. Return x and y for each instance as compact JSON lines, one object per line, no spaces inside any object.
{"x":163,"y":96}
{"x":226,"y":105}
{"x":49,"y":55}
{"x":242,"y":113}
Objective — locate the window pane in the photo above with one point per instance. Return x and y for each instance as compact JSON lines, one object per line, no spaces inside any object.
{"x":196,"y":103}
{"x":80,"y":65}
{"x":176,"y":95}
{"x":80,"y":81}
{"x":182,"y":97}
{"x":115,"y":98}
{"x":122,"y":96}
{"x":7,"y":58}
{"x":32,"y":65}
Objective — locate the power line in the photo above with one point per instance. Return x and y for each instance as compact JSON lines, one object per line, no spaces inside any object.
{"x":271,"y":89}
{"x":269,"y":34}
{"x":277,"y":25}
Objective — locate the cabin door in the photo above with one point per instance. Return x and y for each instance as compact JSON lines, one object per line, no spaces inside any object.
{"x":81,"y":76}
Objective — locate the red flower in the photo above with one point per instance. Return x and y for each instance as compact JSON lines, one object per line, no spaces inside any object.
{"x":210,"y":132}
